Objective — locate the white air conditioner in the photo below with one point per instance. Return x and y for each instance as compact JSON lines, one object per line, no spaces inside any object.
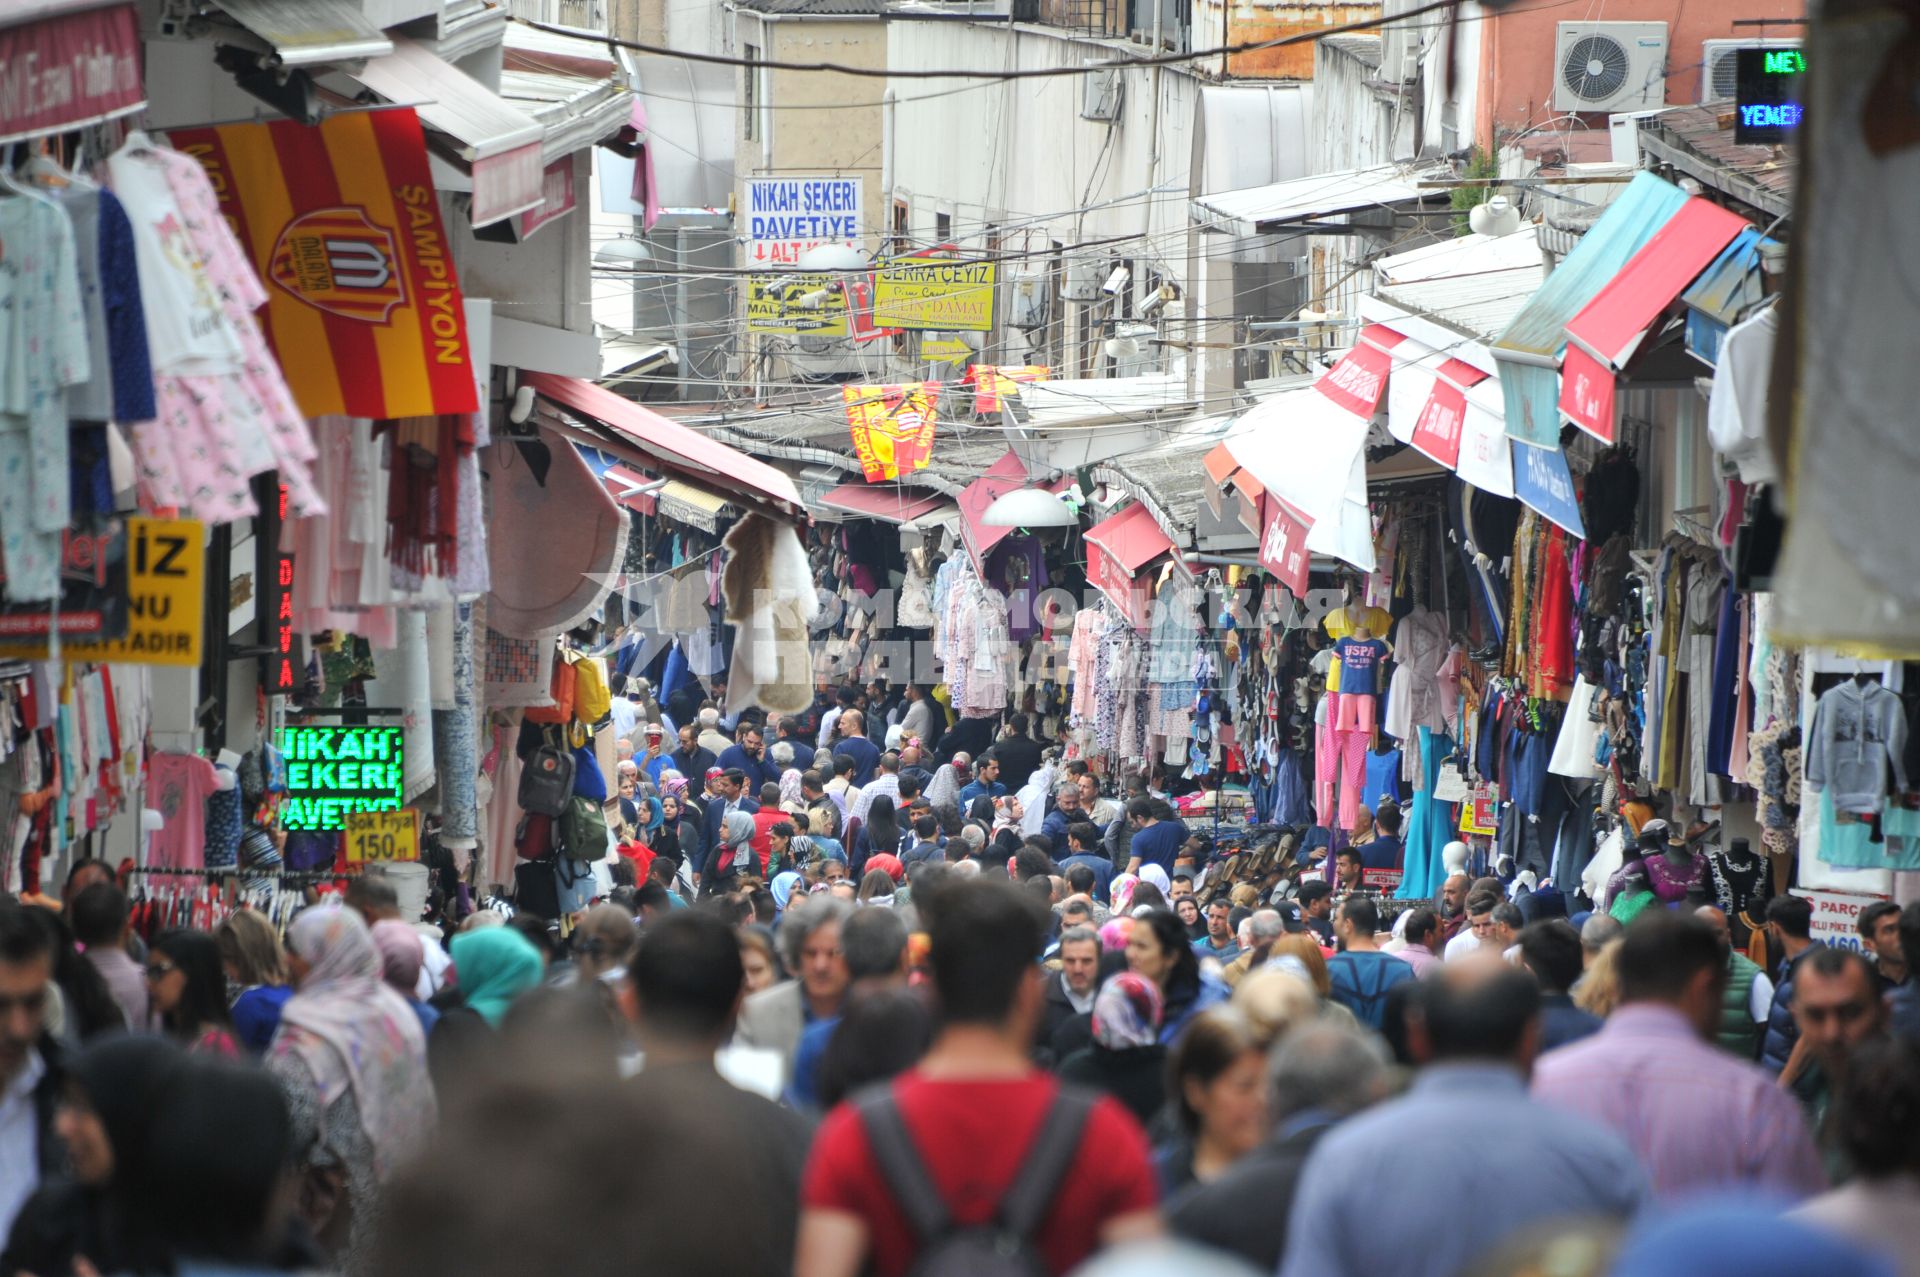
{"x":1100,"y":93}
{"x":1718,"y":63}
{"x":1610,"y":66}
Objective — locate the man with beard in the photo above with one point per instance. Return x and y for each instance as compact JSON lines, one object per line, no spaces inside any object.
{"x":1452,"y":908}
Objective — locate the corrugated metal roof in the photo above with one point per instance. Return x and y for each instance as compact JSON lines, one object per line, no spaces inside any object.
{"x":1081,"y":401}
{"x":308,"y":32}
{"x":450,"y":101}
{"x":569,"y":83}
{"x":1475,"y":284}
{"x":818,"y":8}
{"x":1758,"y":175}
{"x":1324,"y":196}
{"x":1529,"y":348}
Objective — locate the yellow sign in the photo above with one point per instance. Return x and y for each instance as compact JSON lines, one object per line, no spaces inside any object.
{"x":940,"y":294}
{"x":806,"y":305}
{"x":375,"y":837}
{"x":166,"y":600}
{"x":945,"y":350}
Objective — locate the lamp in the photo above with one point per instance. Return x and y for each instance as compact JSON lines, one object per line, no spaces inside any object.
{"x":623,"y":250}
{"x":1494,"y":217}
{"x":1028,"y":508}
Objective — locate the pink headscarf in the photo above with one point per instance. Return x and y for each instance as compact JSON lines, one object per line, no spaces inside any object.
{"x":400,"y":955}
{"x":349,"y":1032}
{"x":1114,"y":934}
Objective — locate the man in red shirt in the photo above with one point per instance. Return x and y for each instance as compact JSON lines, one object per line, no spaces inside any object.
{"x":972,"y":1109}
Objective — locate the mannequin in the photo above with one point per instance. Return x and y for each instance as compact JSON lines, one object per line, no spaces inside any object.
{"x":1741,"y":887}
{"x":1361,"y":658}
{"x":1454,"y":857}
{"x":1677,"y":870}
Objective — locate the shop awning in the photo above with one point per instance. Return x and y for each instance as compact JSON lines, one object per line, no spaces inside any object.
{"x":1486,"y":454}
{"x":1529,"y":348}
{"x":693,"y":506}
{"x":501,"y":142}
{"x":625,"y":484}
{"x":1310,"y":452}
{"x":1358,"y":380}
{"x":706,"y":462}
{"x":1437,"y":430}
{"x":306,"y":32}
{"x":1543,"y":483}
{"x":1002,"y":477}
{"x":570,"y":84}
{"x":105,"y":43}
{"x":1117,"y":548}
{"x":1299,"y":204}
{"x":1723,"y":295}
{"x":888,"y":504}
{"x":1612,"y":325}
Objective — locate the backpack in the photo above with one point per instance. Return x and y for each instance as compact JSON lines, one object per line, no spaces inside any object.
{"x":583,"y":830}
{"x":1004,"y":1247}
{"x":546,"y":784}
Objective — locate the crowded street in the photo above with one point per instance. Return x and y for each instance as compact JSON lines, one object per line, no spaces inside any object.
{"x":959,"y":638}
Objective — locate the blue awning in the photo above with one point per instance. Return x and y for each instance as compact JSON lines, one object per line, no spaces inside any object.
{"x":1529,"y":349}
{"x":1723,"y":293}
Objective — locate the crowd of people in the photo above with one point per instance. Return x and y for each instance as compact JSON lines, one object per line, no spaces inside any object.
{"x":898,"y":1008}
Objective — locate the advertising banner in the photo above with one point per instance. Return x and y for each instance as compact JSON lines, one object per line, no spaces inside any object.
{"x":343,"y":225}
{"x":892,"y":426}
{"x":783,"y":217}
{"x":937,"y":295}
{"x":813,"y":305}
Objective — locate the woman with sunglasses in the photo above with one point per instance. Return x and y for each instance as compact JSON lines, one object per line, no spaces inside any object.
{"x":187,"y":983}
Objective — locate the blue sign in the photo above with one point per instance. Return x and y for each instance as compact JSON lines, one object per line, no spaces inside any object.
{"x":1542,"y":482}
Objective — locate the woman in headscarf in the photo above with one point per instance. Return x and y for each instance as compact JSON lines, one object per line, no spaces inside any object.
{"x":187,"y":986}
{"x":1120,"y":892}
{"x":1126,"y":1059}
{"x":983,"y":810}
{"x":666,"y":839}
{"x":783,"y":886}
{"x":400,"y":959}
{"x":113,"y":1090}
{"x":492,"y":968}
{"x":353,"y":1061}
{"x":733,"y":853}
{"x":1158,"y":877}
{"x":944,"y":788}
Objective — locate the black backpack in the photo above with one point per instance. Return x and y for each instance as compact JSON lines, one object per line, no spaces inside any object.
{"x":1003,"y":1247}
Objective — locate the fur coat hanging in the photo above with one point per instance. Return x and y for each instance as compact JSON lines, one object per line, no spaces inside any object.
{"x":767,"y":587}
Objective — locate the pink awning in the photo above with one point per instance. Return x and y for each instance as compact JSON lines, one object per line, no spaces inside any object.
{"x":1436,"y":433}
{"x":1117,"y":548}
{"x":1587,"y":394}
{"x":1612,"y":325}
{"x":707,"y":463}
{"x":624,"y":483}
{"x":67,"y":69}
{"x":1359,"y":380}
{"x":888,"y":504}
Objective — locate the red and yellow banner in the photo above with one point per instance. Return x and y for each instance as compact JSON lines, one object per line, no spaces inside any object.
{"x":892,"y":426}
{"x":992,"y":386}
{"x":342,"y":223}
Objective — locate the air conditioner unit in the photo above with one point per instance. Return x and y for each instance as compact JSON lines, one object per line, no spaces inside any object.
{"x":1717,"y":64}
{"x":1084,"y":277}
{"x":1610,"y":66}
{"x":1100,"y":93}
{"x":1029,"y":308}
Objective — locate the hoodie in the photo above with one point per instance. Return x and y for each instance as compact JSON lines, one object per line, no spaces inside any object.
{"x":1859,"y":730}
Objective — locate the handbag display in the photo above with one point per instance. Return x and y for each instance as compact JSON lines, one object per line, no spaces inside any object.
{"x":536,"y":889}
{"x":591,"y":699}
{"x":565,"y":681}
{"x":583,"y":830}
{"x":534,"y":837}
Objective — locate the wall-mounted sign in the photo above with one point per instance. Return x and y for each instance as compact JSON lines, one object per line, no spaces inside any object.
{"x":810,"y":305}
{"x":166,"y":584}
{"x":785,"y":216}
{"x":93,"y":589}
{"x":334,"y":771}
{"x":939,"y":295}
{"x":1767,"y":94}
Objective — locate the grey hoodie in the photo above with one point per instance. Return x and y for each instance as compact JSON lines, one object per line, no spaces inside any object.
{"x":1859,"y":730}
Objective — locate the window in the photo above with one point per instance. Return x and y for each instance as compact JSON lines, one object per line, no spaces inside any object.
{"x":942,"y":229}
{"x":901,"y":212}
{"x":750,"y":98}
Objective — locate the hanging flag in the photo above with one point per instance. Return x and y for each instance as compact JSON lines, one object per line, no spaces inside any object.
{"x":343,"y":225}
{"x":892,"y":426}
{"x":992,"y":386}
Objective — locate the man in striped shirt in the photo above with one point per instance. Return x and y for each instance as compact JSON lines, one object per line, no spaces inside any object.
{"x":1699,"y":1119}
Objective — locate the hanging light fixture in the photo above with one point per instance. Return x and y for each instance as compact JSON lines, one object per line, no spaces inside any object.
{"x":1028,"y":508}
{"x":622,"y":250}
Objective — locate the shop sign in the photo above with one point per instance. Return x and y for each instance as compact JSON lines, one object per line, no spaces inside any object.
{"x":382,"y":837}
{"x":60,"y":73}
{"x":556,"y":197}
{"x":166,"y":600}
{"x":1481,"y":815}
{"x":1436,"y":432}
{"x":1768,"y":85}
{"x":1359,"y":380}
{"x":343,"y":224}
{"x":945,"y":350}
{"x":993,"y":386}
{"x":1543,"y":484}
{"x":786,"y":216}
{"x":1105,"y":574}
{"x":892,"y":427}
{"x":333,"y":772}
{"x":805,"y":305}
{"x":1587,"y":394}
{"x":1382,"y":879}
{"x":1283,"y":543}
{"x":1836,"y":917}
{"x":937,"y":294}
{"x":93,"y":590}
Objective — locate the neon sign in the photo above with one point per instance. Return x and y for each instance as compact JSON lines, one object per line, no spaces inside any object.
{"x":1766,"y":97}
{"x":332,"y":771}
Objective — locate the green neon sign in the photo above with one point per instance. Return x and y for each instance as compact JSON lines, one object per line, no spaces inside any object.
{"x":332,"y":771}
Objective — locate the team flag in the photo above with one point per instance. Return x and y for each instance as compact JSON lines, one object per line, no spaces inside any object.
{"x":994,"y":385}
{"x":892,"y":426}
{"x":343,"y":225}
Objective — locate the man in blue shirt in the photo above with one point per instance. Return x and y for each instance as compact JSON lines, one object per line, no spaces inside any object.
{"x":1066,"y":812}
{"x":1365,"y":1207}
{"x":1083,"y":847}
{"x":985,"y":783}
{"x":1156,"y":835}
{"x":1386,"y":851}
{"x":784,"y":727}
{"x":1219,"y":942}
{"x":1361,"y":974}
{"x":749,"y":755}
{"x":855,"y":745}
